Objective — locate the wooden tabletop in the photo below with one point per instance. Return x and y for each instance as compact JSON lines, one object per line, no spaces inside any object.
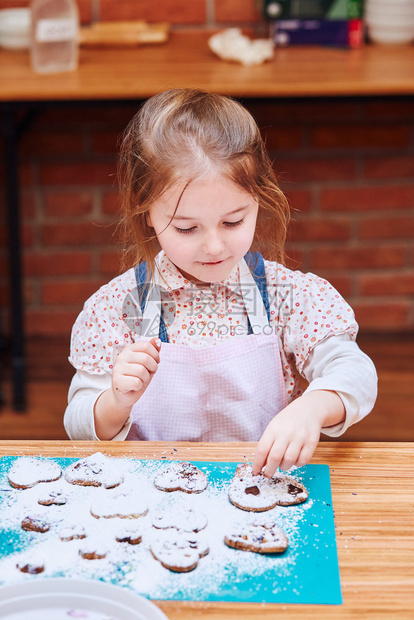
{"x":186,"y":61}
{"x":373,"y":500}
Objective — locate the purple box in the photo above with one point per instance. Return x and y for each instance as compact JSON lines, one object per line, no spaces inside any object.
{"x":334,"y":33}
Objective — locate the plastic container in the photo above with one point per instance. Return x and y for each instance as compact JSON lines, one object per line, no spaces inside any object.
{"x":15,"y":28}
{"x":54,"y":36}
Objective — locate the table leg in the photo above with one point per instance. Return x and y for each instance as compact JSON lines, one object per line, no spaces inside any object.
{"x":10,"y":130}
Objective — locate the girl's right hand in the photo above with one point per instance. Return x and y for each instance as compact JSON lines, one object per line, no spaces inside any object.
{"x":133,"y":370}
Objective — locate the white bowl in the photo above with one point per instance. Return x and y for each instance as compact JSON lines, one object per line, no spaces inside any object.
{"x":392,"y":21}
{"x":52,"y":598}
{"x":390,"y":35}
{"x":15,"y":28}
{"x":387,"y":13}
{"x":396,"y":5}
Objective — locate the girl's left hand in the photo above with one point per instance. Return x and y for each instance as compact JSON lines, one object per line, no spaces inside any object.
{"x":293,"y":435}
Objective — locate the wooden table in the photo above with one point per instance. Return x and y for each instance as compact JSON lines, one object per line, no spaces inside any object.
{"x":133,"y":74}
{"x":186,"y":61}
{"x":375,"y":526}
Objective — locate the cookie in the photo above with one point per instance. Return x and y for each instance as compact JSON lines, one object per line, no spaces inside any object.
{"x":28,"y":471}
{"x":181,"y":518}
{"x":180,"y":552}
{"x":35,"y":524}
{"x":54,"y":498}
{"x":31,"y":568}
{"x":265,"y":537}
{"x":181,"y":476}
{"x":96,"y":470}
{"x":119,"y":506}
{"x":72,"y":532}
{"x":129,"y":533}
{"x":92,"y":550}
{"x":257,"y":493}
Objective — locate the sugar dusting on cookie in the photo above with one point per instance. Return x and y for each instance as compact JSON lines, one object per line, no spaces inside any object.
{"x":124,"y":554}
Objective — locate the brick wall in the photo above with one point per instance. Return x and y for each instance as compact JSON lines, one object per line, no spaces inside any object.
{"x":347,"y":166}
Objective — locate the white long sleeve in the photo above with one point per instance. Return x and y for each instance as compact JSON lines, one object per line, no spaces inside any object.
{"x":84,"y":391}
{"x":339,"y":365}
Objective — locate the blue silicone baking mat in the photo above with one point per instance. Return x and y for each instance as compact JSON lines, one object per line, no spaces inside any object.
{"x":307,"y":572}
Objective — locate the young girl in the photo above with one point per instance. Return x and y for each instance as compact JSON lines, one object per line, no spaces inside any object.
{"x":201,"y":339}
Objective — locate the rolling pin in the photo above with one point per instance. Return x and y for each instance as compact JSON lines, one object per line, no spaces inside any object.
{"x":130,"y":33}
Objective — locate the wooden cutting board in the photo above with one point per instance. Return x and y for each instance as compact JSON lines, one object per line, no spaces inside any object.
{"x":125,"y":33}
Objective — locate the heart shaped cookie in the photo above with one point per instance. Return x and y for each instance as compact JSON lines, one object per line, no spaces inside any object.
{"x":28,"y":471}
{"x":260,"y":537}
{"x":180,"y":552}
{"x":181,"y":476}
{"x":119,"y":506}
{"x":181,"y":518}
{"x":96,"y":470}
{"x":257,"y":493}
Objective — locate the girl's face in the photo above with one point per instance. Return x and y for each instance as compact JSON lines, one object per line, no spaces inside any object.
{"x":211,"y":230}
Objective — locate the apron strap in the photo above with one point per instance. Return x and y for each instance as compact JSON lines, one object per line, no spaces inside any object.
{"x":256,"y":264}
{"x":149,"y":292}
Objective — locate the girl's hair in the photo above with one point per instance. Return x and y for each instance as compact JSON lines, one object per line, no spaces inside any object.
{"x":181,"y":135}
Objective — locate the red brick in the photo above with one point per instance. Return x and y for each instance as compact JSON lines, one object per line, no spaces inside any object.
{"x":389,"y":167}
{"x":343,"y":284}
{"x":78,"y":173}
{"x":308,"y":229}
{"x":65,"y":204}
{"x":50,"y":322}
{"x":367,"y":198}
{"x":311,"y":170}
{"x":53,"y":264}
{"x":77,"y":234}
{"x":360,"y":136}
{"x":305,"y":112}
{"x":111,"y":203}
{"x":110,"y":264}
{"x":236,"y":11}
{"x":106,"y":142}
{"x":294,"y":258}
{"x":84,"y":6}
{"x":27,"y":204}
{"x":387,"y":228}
{"x":69,"y":292}
{"x":278,"y":138}
{"x":173,"y":11}
{"x":388,"y":284}
{"x":367,"y":257}
{"x":51,"y":143}
{"x":389,"y":108}
{"x":299,"y":200}
{"x":384,"y":316}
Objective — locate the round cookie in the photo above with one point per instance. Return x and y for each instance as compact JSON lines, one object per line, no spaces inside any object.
{"x":182,"y":518}
{"x":72,"y":532}
{"x":129,"y":533}
{"x":257,"y":493}
{"x":35,"y":524}
{"x":180,"y":552}
{"x":265,"y":537}
{"x":181,"y":476}
{"x":120,"y":505}
{"x":54,"y":498}
{"x":28,"y":471}
{"x":92,"y":550}
{"x":96,"y":470}
{"x":31,"y":567}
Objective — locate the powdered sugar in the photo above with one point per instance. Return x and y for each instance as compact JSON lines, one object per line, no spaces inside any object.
{"x":223,"y":574}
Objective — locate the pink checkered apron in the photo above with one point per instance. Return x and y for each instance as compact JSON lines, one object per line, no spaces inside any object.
{"x":226,"y":392}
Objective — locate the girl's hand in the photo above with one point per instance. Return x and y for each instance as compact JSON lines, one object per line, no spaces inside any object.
{"x":133,"y":370}
{"x":293,"y":435}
